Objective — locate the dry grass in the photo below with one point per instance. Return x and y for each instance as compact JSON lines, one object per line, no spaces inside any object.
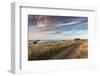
{"x":45,"y":51}
{"x":83,"y":51}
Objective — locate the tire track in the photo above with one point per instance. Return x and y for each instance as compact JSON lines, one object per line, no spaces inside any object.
{"x":64,"y":54}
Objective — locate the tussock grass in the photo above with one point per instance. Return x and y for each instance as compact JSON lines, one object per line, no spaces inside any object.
{"x":45,"y":51}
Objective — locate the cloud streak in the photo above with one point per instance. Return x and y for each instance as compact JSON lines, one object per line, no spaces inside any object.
{"x":55,"y":27}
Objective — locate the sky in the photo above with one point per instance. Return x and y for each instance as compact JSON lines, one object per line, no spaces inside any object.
{"x":57,"y":27}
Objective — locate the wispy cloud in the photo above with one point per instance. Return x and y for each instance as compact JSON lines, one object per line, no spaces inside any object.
{"x":74,"y":21}
{"x":53,"y":27}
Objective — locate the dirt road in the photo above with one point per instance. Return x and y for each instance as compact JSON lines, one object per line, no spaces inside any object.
{"x":67,"y":53}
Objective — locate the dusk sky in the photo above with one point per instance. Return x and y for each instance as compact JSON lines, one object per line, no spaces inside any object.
{"x":57,"y":27}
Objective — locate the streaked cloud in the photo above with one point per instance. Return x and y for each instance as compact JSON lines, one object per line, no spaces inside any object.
{"x":55,"y":27}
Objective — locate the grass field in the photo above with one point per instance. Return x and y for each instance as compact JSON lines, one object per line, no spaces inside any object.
{"x":65,"y":49}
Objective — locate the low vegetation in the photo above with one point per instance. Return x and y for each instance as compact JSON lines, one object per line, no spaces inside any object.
{"x":45,"y":51}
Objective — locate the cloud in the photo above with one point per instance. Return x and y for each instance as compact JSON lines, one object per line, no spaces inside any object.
{"x":49,"y":28}
{"x":81,"y":32}
{"x":37,"y":36}
{"x":73,"y":22}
